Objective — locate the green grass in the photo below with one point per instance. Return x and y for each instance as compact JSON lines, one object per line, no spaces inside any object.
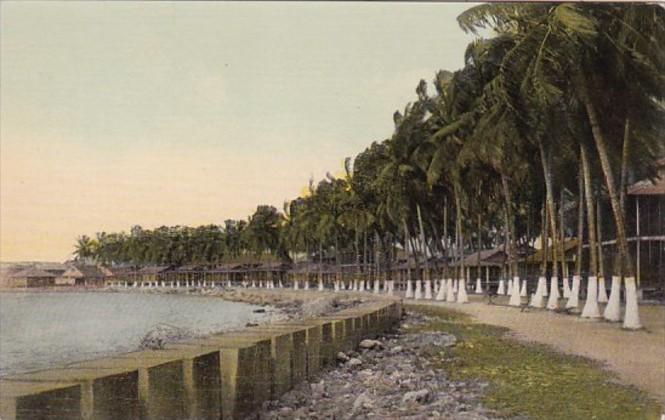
{"x":532,"y":380}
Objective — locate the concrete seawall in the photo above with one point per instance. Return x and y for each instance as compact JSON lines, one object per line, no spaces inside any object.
{"x":226,"y":376}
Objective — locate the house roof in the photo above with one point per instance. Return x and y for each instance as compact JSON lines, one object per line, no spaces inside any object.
{"x":33,"y":272}
{"x":228,"y":267}
{"x":89,"y":270}
{"x":274,"y":266}
{"x":312,"y":268}
{"x":153,"y":269}
{"x":119,"y":270}
{"x":494,"y":257}
{"x":54,"y":268}
{"x":568,"y":246}
{"x":189,"y":267}
{"x":650,"y":186}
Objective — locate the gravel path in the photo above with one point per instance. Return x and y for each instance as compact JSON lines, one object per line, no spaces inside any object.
{"x":638,"y":357}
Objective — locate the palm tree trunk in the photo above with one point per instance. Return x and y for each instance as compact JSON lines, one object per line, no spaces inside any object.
{"x":409,"y":289}
{"x":580,"y":221}
{"x":426,"y":274}
{"x":338,"y":263}
{"x":602,"y":292}
{"x":632,"y":317}
{"x":320,"y":261}
{"x":544,"y":234}
{"x":553,"y":300}
{"x":627,"y":265}
{"x":358,"y":269}
{"x":445,"y":237}
{"x":461,"y":289}
{"x":512,"y":260}
{"x":541,"y":288}
{"x":479,"y":288}
{"x":573,"y":301}
{"x":590,"y":309}
{"x":426,"y":269}
{"x":365,"y":252}
{"x":625,"y":152}
{"x":562,"y":247}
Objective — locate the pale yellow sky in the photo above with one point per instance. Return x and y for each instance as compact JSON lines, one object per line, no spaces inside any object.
{"x":121,"y":113}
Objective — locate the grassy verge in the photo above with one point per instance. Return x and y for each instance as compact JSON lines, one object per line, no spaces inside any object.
{"x":532,"y":380}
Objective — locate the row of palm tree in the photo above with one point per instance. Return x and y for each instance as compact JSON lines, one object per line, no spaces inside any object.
{"x":182,"y":245}
{"x":554,"y":112}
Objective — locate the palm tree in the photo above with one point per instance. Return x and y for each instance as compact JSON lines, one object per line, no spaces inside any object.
{"x":85,"y":248}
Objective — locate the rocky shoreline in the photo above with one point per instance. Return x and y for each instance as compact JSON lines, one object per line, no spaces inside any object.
{"x":387,"y":378}
{"x":286,"y":304}
{"x":279,"y":306}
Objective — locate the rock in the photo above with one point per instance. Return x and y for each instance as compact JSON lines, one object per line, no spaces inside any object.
{"x":285,"y":411}
{"x":363,"y":401}
{"x":397,"y":381}
{"x":259,"y":311}
{"x":318,"y":389}
{"x":354,"y":362}
{"x":435,"y":339}
{"x":370,"y":344}
{"x":421,"y":396}
{"x":160,"y":335}
{"x":342,"y":357}
{"x":396,"y":349}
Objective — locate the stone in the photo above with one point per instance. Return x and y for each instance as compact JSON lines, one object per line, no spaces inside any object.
{"x":318,"y":389}
{"x":392,"y":383}
{"x":160,"y":335}
{"x":342,"y":357}
{"x":354,"y":362}
{"x":363,"y":401}
{"x":422,"y":396}
{"x":285,"y":411}
{"x":438,"y":340}
{"x":370,"y":344}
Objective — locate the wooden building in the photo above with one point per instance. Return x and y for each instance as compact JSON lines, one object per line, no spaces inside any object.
{"x":490,"y":267}
{"x":645,"y":217}
{"x":534,"y":261}
{"x":78,"y":274}
{"x":31,"y":277}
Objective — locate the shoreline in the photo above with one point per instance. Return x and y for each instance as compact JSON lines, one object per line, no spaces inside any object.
{"x":254,"y":366}
{"x":272,"y":306}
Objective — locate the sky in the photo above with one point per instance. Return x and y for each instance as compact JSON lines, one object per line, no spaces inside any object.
{"x":121,"y":113}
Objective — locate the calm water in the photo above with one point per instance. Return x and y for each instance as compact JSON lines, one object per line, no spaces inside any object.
{"x":40,"y":330}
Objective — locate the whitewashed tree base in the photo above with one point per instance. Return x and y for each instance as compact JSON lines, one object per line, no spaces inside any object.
{"x":602,"y":291}
{"x":591,"y":309}
{"x":631,"y":319}
{"x":461,"y":292}
{"x":502,"y":288}
{"x":574,"y":298}
{"x":553,"y":299}
{"x":450,"y":291}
